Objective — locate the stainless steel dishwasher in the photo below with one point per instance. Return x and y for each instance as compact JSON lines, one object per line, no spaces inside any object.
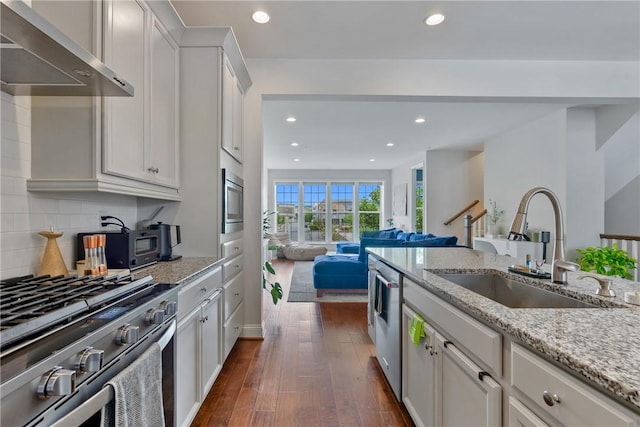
{"x":387,"y":284}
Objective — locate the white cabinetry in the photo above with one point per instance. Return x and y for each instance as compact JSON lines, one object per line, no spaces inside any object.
{"x":199,"y":359}
{"x":466,"y":395}
{"x":232,"y":99}
{"x":233,"y":293}
{"x":562,"y":397}
{"x":441,"y":385}
{"x":521,"y":416}
{"x":126,"y":145}
{"x":418,"y":372}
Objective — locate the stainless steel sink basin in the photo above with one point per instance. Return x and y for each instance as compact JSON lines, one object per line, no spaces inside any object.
{"x":513,"y":293}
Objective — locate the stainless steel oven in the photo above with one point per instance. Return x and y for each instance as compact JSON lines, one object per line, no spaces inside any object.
{"x":232,"y":202}
{"x":63,"y":338}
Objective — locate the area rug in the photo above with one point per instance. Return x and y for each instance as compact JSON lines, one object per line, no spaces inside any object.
{"x":302,"y":289}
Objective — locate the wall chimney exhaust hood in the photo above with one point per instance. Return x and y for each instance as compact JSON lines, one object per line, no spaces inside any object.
{"x":38,"y":59}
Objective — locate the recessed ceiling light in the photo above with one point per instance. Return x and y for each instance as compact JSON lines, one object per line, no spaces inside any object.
{"x":420,"y":120}
{"x":294,"y":144}
{"x":260,"y":16}
{"x":291,"y":119}
{"x":372,"y":160}
{"x":296,"y":160}
{"x":389,"y":144}
{"x":434,"y":19}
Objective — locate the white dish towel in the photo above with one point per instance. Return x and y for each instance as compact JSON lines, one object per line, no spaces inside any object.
{"x":138,"y":393}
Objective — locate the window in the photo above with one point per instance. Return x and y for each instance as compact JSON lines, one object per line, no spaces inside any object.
{"x":287,"y":207}
{"x":332,"y":211}
{"x":315,"y":211}
{"x":418,"y":195}
{"x":369,"y":207}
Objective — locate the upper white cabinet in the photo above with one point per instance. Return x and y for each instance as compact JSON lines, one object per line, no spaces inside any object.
{"x":232,"y":103}
{"x":126,"y":145}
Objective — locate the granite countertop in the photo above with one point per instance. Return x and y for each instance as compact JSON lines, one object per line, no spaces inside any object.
{"x":600,"y":345}
{"x":179,"y":271}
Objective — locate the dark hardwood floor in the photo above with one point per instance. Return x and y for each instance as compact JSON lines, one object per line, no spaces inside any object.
{"x":315,"y":367}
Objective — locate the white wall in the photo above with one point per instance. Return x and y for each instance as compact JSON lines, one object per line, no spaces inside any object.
{"x":559,"y":152}
{"x":530,"y":156}
{"x":404,"y":174}
{"x":24,"y":214}
{"x":453,"y":179}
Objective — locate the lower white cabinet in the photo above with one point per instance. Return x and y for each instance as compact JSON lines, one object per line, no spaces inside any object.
{"x":418,"y":372}
{"x":466,"y":395}
{"x":442,"y":386}
{"x":556,"y":394}
{"x":233,"y":329}
{"x":199,"y":356}
{"x":521,"y":416}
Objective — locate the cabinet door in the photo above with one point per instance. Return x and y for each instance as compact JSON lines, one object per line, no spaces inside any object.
{"x":228,"y":89}
{"x":464,"y":395}
{"x":210,"y":338}
{"x":187,"y":369}
{"x":418,"y":372}
{"x":521,"y":416}
{"x":124,"y":119}
{"x":162,"y":147}
{"x":238,"y":99}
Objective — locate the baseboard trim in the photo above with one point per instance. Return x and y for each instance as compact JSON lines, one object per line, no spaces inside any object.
{"x":253,"y":331}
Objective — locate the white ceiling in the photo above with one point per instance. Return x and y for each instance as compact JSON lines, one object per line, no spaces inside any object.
{"x":359,"y":130}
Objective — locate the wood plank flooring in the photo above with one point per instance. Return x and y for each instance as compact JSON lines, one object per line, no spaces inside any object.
{"x":315,"y":367}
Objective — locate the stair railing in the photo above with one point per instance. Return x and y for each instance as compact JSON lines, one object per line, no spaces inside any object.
{"x":472,"y":227}
{"x":631,"y":244}
{"x":462,"y":212}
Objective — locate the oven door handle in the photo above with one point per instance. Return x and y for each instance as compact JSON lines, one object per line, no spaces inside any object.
{"x":166,"y":337}
{"x":91,"y":406}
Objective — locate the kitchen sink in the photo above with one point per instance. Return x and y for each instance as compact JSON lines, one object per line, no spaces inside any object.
{"x":513,"y":293}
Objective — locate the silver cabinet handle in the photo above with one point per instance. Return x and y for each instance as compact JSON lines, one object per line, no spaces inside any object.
{"x":550,"y":399}
{"x":57,"y":382}
{"x":387,"y":283}
{"x":153,"y":169}
{"x":89,"y":360}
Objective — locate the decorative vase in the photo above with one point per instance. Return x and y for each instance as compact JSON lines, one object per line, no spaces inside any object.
{"x":52,"y":261}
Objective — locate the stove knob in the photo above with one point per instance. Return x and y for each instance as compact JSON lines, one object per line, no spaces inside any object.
{"x":169,"y":307}
{"x":155,"y":316}
{"x":127,"y":334}
{"x":57,"y":382}
{"x":89,"y":360}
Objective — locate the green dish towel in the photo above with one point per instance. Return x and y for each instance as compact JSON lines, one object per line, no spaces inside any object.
{"x":416,"y":329}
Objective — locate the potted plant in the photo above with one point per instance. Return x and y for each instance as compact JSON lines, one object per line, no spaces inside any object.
{"x":494,"y":216}
{"x":274,"y":288}
{"x":266,"y":224}
{"x":608,"y":261}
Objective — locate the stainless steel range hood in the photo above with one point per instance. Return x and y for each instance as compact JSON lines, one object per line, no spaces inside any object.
{"x":37,"y":59}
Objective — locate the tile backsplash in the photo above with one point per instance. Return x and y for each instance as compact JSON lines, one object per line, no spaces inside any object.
{"x":23,"y":214}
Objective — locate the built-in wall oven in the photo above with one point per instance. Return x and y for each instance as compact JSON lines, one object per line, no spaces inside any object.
{"x":386,"y":284}
{"x":232,"y":202}
{"x":63,"y":338}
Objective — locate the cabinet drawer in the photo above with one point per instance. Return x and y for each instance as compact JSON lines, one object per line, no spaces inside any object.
{"x":190,"y":295}
{"x":232,"y":248}
{"x":231,"y":268}
{"x":233,"y":329}
{"x":480,"y":340}
{"x":578,"y":403}
{"x":233,"y":295}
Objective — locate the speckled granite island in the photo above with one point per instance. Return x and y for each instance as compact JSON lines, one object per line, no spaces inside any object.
{"x":600,"y":346}
{"x":178,"y":272}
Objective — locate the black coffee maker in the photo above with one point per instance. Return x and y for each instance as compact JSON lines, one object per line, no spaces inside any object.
{"x":166,"y":246}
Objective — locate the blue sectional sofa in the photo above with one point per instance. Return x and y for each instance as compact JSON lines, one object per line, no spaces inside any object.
{"x":349,"y":272}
